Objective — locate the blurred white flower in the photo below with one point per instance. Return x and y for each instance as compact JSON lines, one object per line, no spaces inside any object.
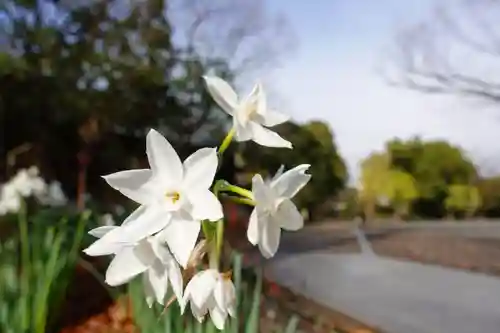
{"x":54,"y":196}
{"x":172,"y":194}
{"x":10,"y":199}
{"x":213,"y":292}
{"x":107,"y":220}
{"x":251,"y":116}
{"x":27,"y":183}
{"x":119,"y":210}
{"x":274,"y":210}
{"x":148,"y":257}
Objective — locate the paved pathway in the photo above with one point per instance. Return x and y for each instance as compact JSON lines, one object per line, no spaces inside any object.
{"x":397,"y":296}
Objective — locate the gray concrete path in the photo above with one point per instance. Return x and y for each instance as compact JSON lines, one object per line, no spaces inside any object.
{"x":397,"y":296}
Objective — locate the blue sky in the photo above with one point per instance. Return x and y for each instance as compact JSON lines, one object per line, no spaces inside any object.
{"x":332,"y":76}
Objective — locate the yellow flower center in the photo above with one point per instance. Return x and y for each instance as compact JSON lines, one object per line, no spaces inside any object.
{"x":227,"y":275}
{"x":174,"y":196}
{"x":250,"y":110}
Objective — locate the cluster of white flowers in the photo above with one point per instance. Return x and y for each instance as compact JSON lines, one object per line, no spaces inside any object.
{"x":176,"y":198}
{"x":28,"y":183}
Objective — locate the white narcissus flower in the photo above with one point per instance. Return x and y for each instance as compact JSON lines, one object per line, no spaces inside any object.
{"x":251,"y":116}
{"x":147,"y":257}
{"x":274,"y":210}
{"x":24,"y":184}
{"x":172,"y":194}
{"x":10,"y":199}
{"x":54,"y":195}
{"x":213,"y":292}
{"x":27,"y":182}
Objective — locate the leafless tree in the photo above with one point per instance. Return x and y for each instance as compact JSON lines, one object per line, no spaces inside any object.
{"x":244,"y":33}
{"x":456,"y":50}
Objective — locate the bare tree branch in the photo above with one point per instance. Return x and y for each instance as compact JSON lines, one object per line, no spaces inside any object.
{"x":455,"y":51}
{"x":241,"y":32}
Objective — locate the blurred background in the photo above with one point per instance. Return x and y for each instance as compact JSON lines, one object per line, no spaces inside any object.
{"x":394,"y":105}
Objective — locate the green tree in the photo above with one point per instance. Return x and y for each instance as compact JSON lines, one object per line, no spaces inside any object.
{"x":324,"y":134}
{"x":489,"y":189}
{"x":434,"y":165}
{"x":348,"y":203}
{"x":462,"y":199}
{"x":107,"y":72}
{"x":374,"y":174}
{"x":401,"y":190}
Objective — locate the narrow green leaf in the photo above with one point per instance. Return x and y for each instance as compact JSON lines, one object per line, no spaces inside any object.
{"x":292,"y":325}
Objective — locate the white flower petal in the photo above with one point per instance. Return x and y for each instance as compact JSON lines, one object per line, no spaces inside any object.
{"x":205,"y":206}
{"x":222,"y":93}
{"x":268,"y":138}
{"x":243,"y":132}
{"x":150,"y":221}
{"x":261,"y":192}
{"x":264,"y":115}
{"x":218,"y":317}
{"x":261,"y":100}
{"x":126,"y":265}
{"x":157,"y":277}
{"x":110,"y":243}
{"x":254,"y":97}
{"x":132,"y":184}
{"x":230,"y":297}
{"x":176,"y":280}
{"x":271,"y":118}
{"x":198,"y":312}
{"x":200,"y":169}
{"x":201,"y":287}
{"x":159,"y":250}
{"x":278,"y":173}
{"x":219,"y":294}
{"x":288,"y":216}
{"x":254,"y":227}
{"x":291,"y":182}
{"x":180,"y":236}
{"x":101,"y":231}
{"x":163,"y":159}
{"x":148,"y":290}
{"x":225,"y":294}
{"x":270,"y":240}
{"x":135,"y":214}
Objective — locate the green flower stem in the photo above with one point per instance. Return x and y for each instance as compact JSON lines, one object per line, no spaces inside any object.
{"x":219,"y":241}
{"x":216,"y":237}
{"x":223,"y":186}
{"x":244,"y":201}
{"x":208,"y":230}
{"x":213,"y":260}
{"x":25,"y":265}
{"x":241,"y":191}
{"x":226,"y":142}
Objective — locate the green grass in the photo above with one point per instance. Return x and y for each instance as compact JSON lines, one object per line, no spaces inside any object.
{"x":37,"y":262}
